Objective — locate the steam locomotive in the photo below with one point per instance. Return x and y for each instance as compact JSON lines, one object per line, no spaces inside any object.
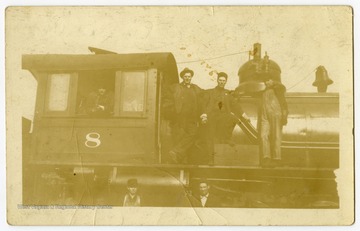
{"x":71,"y":158}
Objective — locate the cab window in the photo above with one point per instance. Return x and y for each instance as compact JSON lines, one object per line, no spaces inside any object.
{"x":58,"y":92}
{"x":132,"y":92}
{"x":95,"y":93}
{"x":111,"y":93}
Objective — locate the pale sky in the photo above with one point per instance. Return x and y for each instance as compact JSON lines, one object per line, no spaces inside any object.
{"x":298,"y":38}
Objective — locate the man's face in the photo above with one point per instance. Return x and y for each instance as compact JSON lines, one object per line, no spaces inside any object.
{"x":187,"y":78}
{"x":221,"y":82}
{"x":132,"y":190}
{"x":204,"y":189}
{"x":269,"y":83}
{"x":102,"y":91}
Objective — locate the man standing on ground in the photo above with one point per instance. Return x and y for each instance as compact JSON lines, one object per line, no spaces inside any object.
{"x":205,"y":197}
{"x":132,"y":199}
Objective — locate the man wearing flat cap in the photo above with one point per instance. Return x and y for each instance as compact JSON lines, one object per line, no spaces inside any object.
{"x":132,"y":199}
{"x":219,"y":114}
{"x":186,"y":101}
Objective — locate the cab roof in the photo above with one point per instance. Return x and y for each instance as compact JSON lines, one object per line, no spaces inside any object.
{"x":65,"y":62}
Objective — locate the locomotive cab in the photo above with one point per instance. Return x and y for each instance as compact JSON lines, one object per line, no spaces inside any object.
{"x":72,"y":152}
{"x":67,"y":130}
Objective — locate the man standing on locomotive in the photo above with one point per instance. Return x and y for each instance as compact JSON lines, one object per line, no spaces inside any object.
{"x":272,"y":117}
{"x":186,"y":100}
{"x":219,"y":114}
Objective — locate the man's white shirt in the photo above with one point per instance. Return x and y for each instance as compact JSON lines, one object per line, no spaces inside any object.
{"x":204,"y":199}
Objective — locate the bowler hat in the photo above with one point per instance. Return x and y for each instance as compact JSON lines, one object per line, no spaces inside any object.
{"x":132,"y":183}
{"x":186,"y":70}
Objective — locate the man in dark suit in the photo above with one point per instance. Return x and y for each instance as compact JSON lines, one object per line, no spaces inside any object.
{"x":218,"y":115}
{"x":186,"y":101}
{"x":205,"y":197}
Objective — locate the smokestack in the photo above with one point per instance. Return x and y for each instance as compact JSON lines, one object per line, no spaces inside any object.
{"x":257,"y":51}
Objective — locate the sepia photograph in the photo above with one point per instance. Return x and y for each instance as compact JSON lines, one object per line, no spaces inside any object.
{"x":179,"y":115}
